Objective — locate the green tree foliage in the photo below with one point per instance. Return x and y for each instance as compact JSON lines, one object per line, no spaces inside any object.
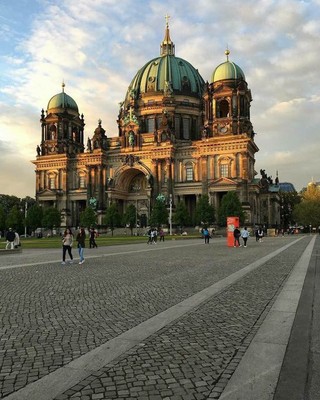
{"x":2,"y":219}
{"x":159,"y":214}
{"x":14,"y":219}
{"x":34,"y":217}
{"x":230,"y":207}
{"x":204,"y":214}
{"x":112,"y":218}
{"x":181,"y":216}
{"x":51,"y":218}
{"x":130,"y":217}
{"x":288,"y":201}
{"x":8,"y":202}
{"x":307,"y":212}
{"x":88,"y":217}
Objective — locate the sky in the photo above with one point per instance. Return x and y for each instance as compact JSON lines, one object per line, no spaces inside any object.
{"x":96,"y":47}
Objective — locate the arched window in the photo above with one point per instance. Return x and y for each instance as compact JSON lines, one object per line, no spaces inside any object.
{"x":224,"y":109}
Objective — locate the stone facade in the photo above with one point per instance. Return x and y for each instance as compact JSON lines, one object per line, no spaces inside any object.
{"x":178,"y":136}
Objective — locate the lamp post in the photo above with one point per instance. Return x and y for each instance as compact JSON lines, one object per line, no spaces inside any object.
{"x":25,"y":218}
{"x":136,"y":216}
{"x":170,"y":214}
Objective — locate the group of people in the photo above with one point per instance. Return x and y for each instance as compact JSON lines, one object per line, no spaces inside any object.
{"x":244,"y":234}
{"x":237,"y":234}
{"x":67,"y":243}
{"x":153,"y":234}
{"x":12,"y":239}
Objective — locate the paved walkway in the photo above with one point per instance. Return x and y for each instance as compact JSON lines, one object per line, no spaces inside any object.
{"x":176,"y":320}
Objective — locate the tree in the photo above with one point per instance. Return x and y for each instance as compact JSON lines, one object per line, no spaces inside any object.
{"x":130,"y":217}
{"x":112,"y":218}
{"x":204,"y":214}
{"x":288,"y":200}
{"x":230,"y":207}
{"x":88,"y":217}
{"x":159,"y":214}
{"x":307,"y":212}
{"x":311,"y":193}
{"x":181,"y":216}
{"x":15,"y":219}
{"x":2,"y":220}
{"x":51,"y":218}
{"x":34,"y":217}
{"x":8,"y":202}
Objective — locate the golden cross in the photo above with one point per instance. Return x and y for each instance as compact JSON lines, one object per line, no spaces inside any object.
{"x":167,"y":19}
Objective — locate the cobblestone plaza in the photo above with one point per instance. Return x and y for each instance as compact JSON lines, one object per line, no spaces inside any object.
{"x":167,"y":321}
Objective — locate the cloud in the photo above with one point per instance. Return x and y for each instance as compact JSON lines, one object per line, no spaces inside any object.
{"x":97,"y":47}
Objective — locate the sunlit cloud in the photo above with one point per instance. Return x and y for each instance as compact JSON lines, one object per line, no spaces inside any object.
{"x":97,"y":47}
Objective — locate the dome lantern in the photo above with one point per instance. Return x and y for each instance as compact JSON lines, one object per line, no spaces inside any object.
{"x":167,"y":46}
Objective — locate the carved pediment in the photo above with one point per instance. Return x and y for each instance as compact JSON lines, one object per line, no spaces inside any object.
{"x":223,"y":182}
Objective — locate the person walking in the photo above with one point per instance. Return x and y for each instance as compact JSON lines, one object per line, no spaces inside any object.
{"x":16,"y":242}
{"x":92,"y":238}
{"x":206,"y":235}
{"x":10,"y":236}
{"x":161,"y":235}
{"x":67,"y":241}
{"x":236,"y":236}
{"x":245,"y":234}
{"x":259,"y":234}
{"x":81,"y":238}
{"x":149,"y":236}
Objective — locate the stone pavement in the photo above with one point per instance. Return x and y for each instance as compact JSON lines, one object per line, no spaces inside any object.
{"x":176,"y":320}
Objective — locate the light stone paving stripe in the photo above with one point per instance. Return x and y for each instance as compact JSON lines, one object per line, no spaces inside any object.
{"x":151,"y":248}
{"x":257,"y":374}
{"x":59,"y":381}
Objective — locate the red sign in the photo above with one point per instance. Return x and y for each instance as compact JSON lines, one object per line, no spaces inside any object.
{"x":232,"y":223}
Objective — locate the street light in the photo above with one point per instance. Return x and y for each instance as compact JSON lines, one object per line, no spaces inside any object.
{"x":136,"y":216}
{"x":25,"y":218}
{"x":170,"y":214}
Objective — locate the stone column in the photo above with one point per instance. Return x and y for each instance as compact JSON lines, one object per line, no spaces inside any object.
{"x":204,"y":174}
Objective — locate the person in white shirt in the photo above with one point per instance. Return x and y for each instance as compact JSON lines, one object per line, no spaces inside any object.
{"x":245,"y":234}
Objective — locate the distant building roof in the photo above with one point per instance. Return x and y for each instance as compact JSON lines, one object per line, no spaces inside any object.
{"x":287,"y":187}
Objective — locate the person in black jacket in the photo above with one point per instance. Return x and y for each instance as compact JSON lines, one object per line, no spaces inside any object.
{"x":81,"y":237}
{"x":10,"y":236}
{"x":236,"y":235}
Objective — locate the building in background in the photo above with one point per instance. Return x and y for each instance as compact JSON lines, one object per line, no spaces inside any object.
{"x":178,"y":136}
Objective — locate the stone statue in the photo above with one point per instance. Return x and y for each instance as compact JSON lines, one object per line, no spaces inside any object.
{"x":89,"y":147}
{"x":131,"y":138}
{"x":38,"y":150}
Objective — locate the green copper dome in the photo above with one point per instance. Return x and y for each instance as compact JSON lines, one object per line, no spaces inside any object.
{"x":167,"y":73}
{"x":227,"y":70}
{"x":62,"y":100}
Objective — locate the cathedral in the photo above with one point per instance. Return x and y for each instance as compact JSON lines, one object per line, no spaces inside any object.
{"x":178,"y":136}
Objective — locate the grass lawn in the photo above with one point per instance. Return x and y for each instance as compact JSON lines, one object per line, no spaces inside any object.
{"x":102,"y":240}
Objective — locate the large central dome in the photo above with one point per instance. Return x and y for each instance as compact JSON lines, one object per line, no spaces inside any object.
{"x":167,"y":74}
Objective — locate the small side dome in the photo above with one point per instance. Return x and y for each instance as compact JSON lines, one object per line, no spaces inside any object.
{"x":228,"y":70}
{"x":62,"y":100}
